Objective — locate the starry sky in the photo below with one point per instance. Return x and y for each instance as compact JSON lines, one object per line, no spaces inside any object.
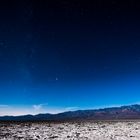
{"x":65,"y":55}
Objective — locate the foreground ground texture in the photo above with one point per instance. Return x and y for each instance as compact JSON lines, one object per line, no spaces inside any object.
{"x":102,"y":130}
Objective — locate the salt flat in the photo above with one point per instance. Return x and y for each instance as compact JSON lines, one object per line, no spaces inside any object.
{"x":101,"y":130}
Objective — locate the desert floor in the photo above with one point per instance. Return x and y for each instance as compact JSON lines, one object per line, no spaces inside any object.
{"x":101,"y":130}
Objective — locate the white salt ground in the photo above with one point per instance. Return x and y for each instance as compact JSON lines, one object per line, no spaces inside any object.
{"x":127,"y":130}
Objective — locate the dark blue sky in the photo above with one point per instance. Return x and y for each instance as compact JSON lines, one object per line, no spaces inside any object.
{"x":69,"y":54}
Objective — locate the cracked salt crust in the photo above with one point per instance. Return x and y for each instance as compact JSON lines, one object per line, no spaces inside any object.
{"x":71,"y":131}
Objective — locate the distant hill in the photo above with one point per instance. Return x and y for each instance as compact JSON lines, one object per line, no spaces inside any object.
{"x":123,"y":112}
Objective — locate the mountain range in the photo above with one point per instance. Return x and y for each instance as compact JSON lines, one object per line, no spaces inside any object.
{"x":113,"y":113}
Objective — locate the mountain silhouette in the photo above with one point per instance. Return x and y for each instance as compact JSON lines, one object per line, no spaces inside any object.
{"x":113,"y":113}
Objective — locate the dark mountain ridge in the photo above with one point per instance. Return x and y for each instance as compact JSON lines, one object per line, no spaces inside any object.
{"x":113,"y":113}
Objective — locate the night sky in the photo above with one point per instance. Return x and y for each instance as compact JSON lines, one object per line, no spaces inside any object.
{"x":60,"y":55}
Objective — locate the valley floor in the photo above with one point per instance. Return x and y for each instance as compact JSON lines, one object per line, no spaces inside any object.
{"x":105,"y":130}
